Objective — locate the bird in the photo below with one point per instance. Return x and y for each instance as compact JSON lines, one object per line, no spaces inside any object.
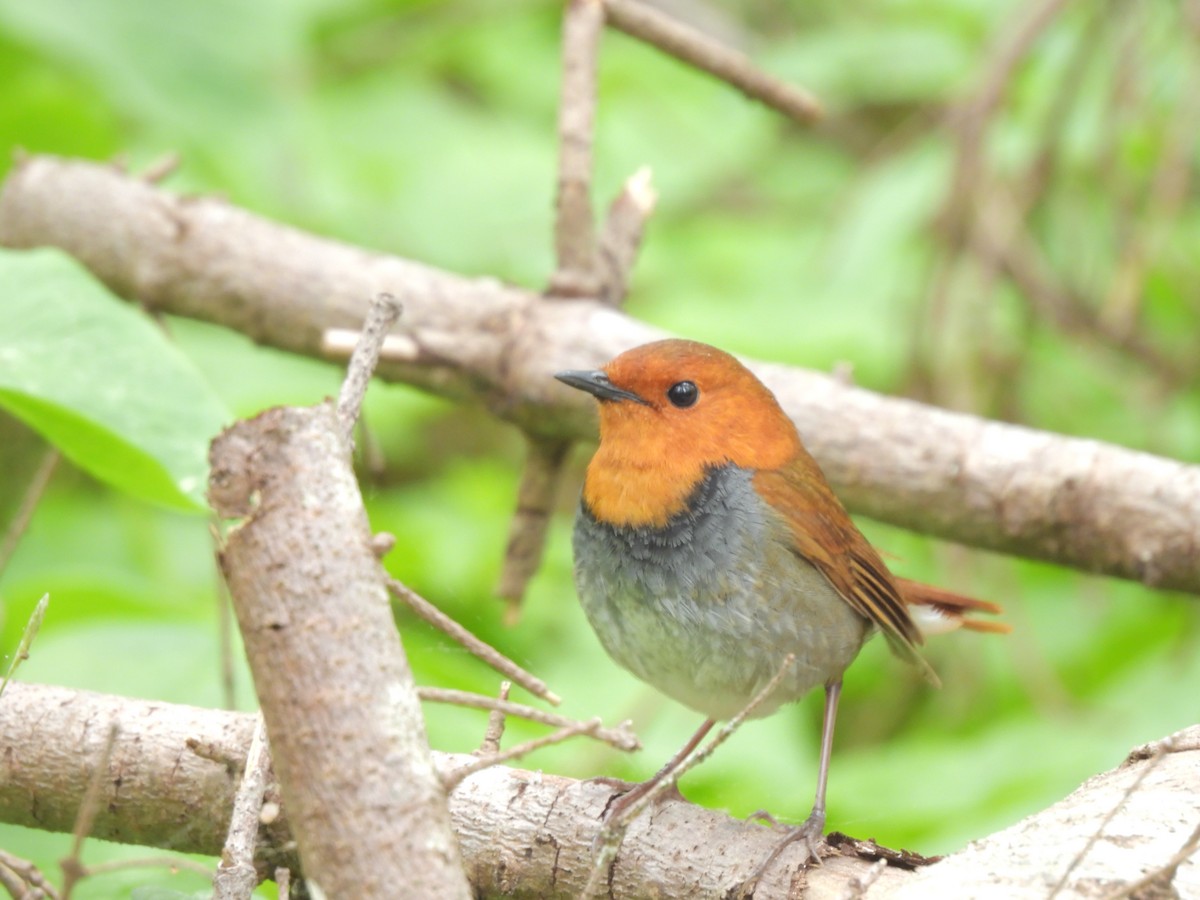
{"x":709,"y":547}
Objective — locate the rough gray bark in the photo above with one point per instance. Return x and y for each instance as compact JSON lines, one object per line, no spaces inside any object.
{"x":172,"y":779}
{"x":1002,"y":487}
{"x":346,"y":731}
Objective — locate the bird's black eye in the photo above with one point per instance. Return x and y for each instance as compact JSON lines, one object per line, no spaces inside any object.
{"x":683,"y":394}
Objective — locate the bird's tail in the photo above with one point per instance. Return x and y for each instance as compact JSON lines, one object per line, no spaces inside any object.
{"x":936,"y":611}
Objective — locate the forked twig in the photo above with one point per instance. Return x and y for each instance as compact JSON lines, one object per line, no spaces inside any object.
{"x":703,"y":753}
{"x":21,"y":878}
{"x":612,"y":834}
{"x":620,"y":737}
{"x":473,"y":644}
{"x":452,"y":779}
{"x":497,"y":720}
{"x":236,"y":874}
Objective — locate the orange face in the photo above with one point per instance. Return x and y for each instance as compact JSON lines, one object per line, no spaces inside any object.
{"x":670,"y":410}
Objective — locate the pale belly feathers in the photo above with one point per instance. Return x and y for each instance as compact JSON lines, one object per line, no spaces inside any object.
{"x":707,"y":608}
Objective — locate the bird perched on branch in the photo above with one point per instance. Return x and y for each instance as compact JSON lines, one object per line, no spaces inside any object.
{"x":709,"y":546}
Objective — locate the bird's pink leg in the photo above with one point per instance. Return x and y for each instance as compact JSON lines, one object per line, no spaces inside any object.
{"x":813,"y":828}
{"x":623,"y":803}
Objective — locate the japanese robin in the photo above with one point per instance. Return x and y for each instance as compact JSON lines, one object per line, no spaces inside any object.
{"x":709,"y":546}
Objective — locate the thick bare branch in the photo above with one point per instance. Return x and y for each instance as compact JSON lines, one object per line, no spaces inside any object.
{"x":530,"y":834}
{"x":1082,"y":503}
{"x":343,"y":719}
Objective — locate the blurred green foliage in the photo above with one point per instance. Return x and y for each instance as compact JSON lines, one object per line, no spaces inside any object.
{"x":426,"y":128}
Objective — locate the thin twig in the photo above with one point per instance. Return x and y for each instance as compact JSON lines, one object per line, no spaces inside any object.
{"x":27,"y":636}
{"x":621,"y":237}
{"x":958,"y":220}
{"x":13,"y":883}
{"x":641,"y":21}
{"x":608,"y":841}
{"x":727,"y":731}
{"x":452,"y":779}
{"x":1165,"y":872}
{"x":29,"y":501}
{"x":162,"y":168}
{"x":381,"y":316}
{"x":283,"y":881}
{"x":494,"y":732}
{"x":527,"y":531}
{"x":1169,"y":188}
{"x":178,"y":863}
{"x":972,"y":118}
{"x":620,"y":737}
{"x":474,"y":645}
{"x":574,"y":226}
{"x":236,"y":874}
{"x":30,"y":883}
{"x":1070,"y":83}
{"x":1164,"y":747}
{"x":72,"y":865}
{"x":1022,"y":262}
{"x":225,"y":624}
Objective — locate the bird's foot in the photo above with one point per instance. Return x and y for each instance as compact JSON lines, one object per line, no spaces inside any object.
{"x":811,"y":831}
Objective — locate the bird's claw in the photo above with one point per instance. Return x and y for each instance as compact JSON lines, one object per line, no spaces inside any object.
{"x":811,"y":831}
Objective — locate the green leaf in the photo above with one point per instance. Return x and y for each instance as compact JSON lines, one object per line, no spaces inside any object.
{"x":101,"y":382}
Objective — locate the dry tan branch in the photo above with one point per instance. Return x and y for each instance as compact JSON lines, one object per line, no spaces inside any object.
{"x":479,"y":648}
{"x":531,"y":834}
{"x":236,"y":875}
{"x":574,"y":226}
{"x":695,"y":48}
{"x":345,"y":727}
{"x":622,"y":235}
{"x":1002,"y":487}
{"x":381,"y":316}
{"x":22,"y":878}
{"x":621,"y":737}
{"x":536,"y":496}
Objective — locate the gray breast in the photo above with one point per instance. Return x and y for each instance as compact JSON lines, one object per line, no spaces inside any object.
{"x":706,"y":608}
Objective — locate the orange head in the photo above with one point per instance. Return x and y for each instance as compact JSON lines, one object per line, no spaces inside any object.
{"x":669,"y":411}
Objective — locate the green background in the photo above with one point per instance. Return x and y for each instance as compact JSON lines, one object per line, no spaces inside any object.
{"x":427,"y":129}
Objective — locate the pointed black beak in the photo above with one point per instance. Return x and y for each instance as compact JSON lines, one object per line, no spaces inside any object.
{"x":596,"y":383}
